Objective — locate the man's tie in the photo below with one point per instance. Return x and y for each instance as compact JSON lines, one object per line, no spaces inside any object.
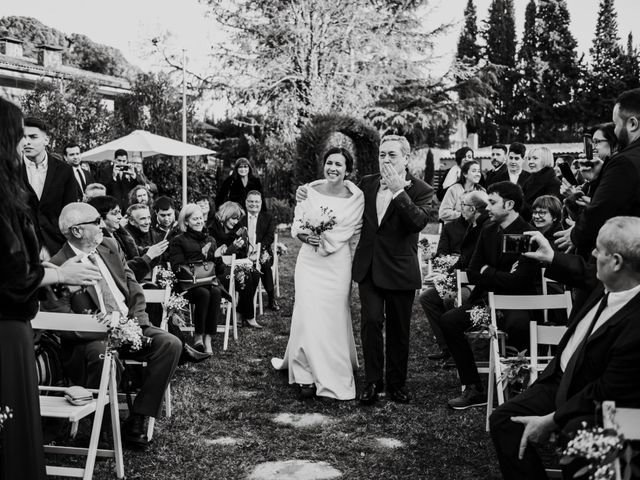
{"x":563,"y":388}
{"x":110,"y":303}
{"x":81,"y":178}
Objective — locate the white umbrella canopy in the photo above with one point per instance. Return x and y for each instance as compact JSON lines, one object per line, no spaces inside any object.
{"x":147,"y":144}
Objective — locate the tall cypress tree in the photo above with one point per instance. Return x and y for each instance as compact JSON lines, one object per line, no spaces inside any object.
{"x":604,"y":78}
{"x":555,"y":113}
{"x":527,"y":72}
{"x":500,"y":38}
{"x":631,"y":65}
{"x":468,"y":48}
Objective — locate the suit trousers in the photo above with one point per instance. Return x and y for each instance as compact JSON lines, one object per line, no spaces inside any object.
{"x":538,"y":400}
{"x":389,"y":309}
{"x":84,"y":367}
{"x":434,"y":307}
{"x":267,"y":279}
{"x":456,"y":322}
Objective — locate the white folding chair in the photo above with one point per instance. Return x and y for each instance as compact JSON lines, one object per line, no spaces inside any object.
{"x":545,"y":289}
{"x":514,"y":302}
{"x":461,"y":279}
{"x":275,"y":268}
{"x":625,"y":421}
{"x":229,"y":306}
{"x":59,"y":407}
{"x":543,"y":335}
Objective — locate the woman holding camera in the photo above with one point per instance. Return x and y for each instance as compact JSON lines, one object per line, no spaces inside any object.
{"x":235,"y":240}
{"x":194,"y":246}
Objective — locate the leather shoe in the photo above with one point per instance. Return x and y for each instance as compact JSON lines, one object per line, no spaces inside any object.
{"x":273,"y":305}
{"x":307,"y":391}
{"x":441,"y":355}
{"x":369,"y":395}
{"x":400,"y":395}
{"x":251,"y":322}
{"x":190,"y":354}
{"x":199,"y":347}
{"x":133,"y":431}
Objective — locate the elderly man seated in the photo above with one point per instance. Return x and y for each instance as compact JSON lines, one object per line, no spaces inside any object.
{"x":117,"y":291}
{"x":597,"y":359}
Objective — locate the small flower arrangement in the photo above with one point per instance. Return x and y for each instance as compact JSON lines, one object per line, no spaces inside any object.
{"x":281,"y":249}
{"x":318,"y":224}
{"x":242,"y":272}
{"x":165,"y":277}
{"x":516,"y":372}
{"x":481,"y":320}
{"x":600,"y":447}
{"x":126,"y":334}
{"x":264,"y":257}
{"x":445,"y":263}
{"x":5,"y":414}
{"x":445,"y":285}
{"x":176,"y":303}
{"x":426,"y":248}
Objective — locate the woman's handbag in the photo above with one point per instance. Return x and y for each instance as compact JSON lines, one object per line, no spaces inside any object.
{"x":200,"y":274}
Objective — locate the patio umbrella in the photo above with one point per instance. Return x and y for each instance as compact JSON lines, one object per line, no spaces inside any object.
{"x":148,"y":144}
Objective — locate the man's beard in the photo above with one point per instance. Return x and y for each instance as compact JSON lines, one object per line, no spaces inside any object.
{"x":623,"y":138}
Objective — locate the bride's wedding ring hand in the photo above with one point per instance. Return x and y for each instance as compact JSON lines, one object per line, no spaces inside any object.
{"x":314,"y":240}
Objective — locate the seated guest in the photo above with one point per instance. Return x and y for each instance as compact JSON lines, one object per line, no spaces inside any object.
{"x":166,"y":225}
{"x":261,"y":228}
{"x":139,"y":226}
{"x":543,"y":179}
{"x":208,"y":208}
{"x":498,"y":162}
{"x":193,"y":245}
{"x":225,"y":229}
{"x":474,"y":213}
{"x":491,"y":270}
{"x":117,"y":291}
{"x":470,"y":176}
{"x":94,"y":190}
{"x":547,"y":215}
{"x":452,"y":234}
{"x":462,"y":155}
{"x":598,"y":358}
{"x":514,"y":172}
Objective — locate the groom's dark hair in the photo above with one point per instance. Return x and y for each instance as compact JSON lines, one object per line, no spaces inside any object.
{"x":340,"y":151}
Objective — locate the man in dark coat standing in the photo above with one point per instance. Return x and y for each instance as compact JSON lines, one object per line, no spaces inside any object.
{"x":84,"y":177}
{"x":386,"y":267}
{"x":597,"y":359}
{"x":50,"y":183}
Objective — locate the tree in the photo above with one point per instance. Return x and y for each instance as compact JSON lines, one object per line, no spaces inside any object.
{"x":631,"y":65}
{"x":74,"y":111}
{"x":468,"y":47}
{"x":500,"y":39}
{"x":293,"y":60}
{"x":526,"y":83}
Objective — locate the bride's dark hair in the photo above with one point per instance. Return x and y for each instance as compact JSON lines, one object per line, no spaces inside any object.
{"x":340,"y":151}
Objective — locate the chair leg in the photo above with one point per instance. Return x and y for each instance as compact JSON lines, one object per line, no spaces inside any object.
{"x":490,"y":384}
{"x":167,"y":401}
{"x":74,"y":429}
{"x":227,"y":326}
{"x":115,"y":424}
{"x":151,"y":424}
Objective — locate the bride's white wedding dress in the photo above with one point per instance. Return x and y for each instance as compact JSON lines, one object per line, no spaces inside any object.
{"x":321,"y":348}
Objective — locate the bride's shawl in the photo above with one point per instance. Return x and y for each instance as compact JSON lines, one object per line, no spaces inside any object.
{"x":348,"y":215}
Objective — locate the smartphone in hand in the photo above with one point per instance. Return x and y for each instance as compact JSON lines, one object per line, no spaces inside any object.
{"x":516,"y":243}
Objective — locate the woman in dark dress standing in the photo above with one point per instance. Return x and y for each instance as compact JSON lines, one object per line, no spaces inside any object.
{"x":542,"y":181}
{"x":238,"y":184}
{"x":21,"y":273}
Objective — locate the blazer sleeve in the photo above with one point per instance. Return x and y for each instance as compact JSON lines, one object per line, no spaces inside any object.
{"x":515,"y":281}
{"x":414,"y":213}
{"x":616,"y":191}
{"x":573,"y":271}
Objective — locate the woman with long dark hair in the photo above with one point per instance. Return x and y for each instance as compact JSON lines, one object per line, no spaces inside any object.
{"x":469,"y":181}
{"x":21,"y":273}
{"x":238,"y":184}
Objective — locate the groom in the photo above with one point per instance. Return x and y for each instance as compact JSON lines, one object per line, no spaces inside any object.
{"x":386,"y":267}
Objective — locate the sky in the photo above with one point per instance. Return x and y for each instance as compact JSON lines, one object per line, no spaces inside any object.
{"x":130,"y":24}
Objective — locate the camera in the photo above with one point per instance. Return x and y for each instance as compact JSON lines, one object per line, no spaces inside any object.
{"x":516,"y":243}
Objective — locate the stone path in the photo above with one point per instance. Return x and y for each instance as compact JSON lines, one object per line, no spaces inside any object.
{"x":294,"y":470}
{"x":224,"y":441}
{"x":302,"y":420}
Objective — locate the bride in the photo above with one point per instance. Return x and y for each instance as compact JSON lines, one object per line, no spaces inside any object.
{"x":321,"y":353}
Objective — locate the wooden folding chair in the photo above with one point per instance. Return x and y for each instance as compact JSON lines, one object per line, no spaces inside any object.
{"x":229,"y":306}
{"x":625,"y":421}
{"x":514,"y":302}
{"x":59,"y":407}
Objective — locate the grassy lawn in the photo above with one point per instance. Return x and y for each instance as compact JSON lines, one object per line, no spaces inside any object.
{"x":236,"y":394}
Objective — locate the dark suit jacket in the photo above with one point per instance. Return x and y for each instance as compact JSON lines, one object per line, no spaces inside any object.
{"x":610,"y":366}
{"x":60,"y":189}
{"x":617,"y":194}
{"x":120,"y":187}
{"x":493,"y":174}
{"x":390,"y":250}
{"x":265,"y":230}
{"x":87,"y":299}
{"x":503,"y":176}
{"x":88,"y":177}
{"x":499,"y":277}
{"x":451,"y":237}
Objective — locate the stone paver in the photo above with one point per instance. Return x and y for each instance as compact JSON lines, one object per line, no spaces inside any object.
{"x":389,"y":442}
{"x":294,"y":470}
{"x":226,"y":441}
{"x":302,"y":420}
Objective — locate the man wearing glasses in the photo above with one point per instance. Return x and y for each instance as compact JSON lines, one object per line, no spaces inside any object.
{"x":117,"y":291}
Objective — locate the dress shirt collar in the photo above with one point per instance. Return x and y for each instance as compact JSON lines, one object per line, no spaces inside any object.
{"x":37,"y":166}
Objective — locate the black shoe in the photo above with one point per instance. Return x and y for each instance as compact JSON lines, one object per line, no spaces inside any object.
{"x":443,"y":354}
{"x":190,"y":354}
{"x":369,"y":395}
{"x":273,"y":305}
{"x":471,"y":397}
{"x":133,"y":432}
{"x":198,"y":347}
{"x":399,"y":395}
{"x":306,"y":391}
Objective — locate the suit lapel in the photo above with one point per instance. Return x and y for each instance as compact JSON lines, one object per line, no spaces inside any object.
{"x":391,"y":208}
{"x":111,"y":259}
{"x":631,"y":305}
{"x":91,"y":290}
{"x":52,"y":167}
